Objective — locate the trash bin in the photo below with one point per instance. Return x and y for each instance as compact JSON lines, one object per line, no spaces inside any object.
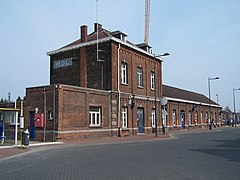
{"x":25,"y":138}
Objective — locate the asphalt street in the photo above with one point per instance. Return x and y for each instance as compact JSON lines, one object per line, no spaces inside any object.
{"x":206,"y":155}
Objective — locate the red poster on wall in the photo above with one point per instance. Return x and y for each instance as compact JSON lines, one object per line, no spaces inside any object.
{"x":39,"y":120}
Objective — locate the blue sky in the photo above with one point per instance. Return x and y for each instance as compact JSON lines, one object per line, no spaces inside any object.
{"x":203,"y":38}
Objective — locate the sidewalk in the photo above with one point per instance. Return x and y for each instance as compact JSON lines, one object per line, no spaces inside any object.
{"x":11,"y":150}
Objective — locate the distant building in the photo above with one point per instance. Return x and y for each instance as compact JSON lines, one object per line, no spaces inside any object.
{"x":188,"y":109}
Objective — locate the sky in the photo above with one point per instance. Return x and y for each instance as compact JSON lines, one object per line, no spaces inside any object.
{"x":202,"y":37}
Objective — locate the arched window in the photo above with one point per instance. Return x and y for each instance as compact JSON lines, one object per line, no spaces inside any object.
{"x":201,"y":118}
{"x":196,"y":117}
{"x":189,"y":118}
{"x":206,"y":117}
{"x":140,"y":76}
{"x":174,"y":118}
{"x":124,"y":73}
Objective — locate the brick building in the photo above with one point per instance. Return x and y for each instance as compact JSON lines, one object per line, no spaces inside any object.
{"x":187,"y":109}
{"x":97,"y":93}
{"x":104,"y":85}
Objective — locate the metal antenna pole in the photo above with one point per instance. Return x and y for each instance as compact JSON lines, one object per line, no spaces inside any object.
{"x":97,"y":25}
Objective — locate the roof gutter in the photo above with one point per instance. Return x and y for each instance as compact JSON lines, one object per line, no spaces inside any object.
{"x":192,"y":102}
{"x":101,"y":41}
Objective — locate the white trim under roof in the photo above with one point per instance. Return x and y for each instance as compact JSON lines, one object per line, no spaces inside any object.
{"x":101,"y":41}
{"x":192,"y":102}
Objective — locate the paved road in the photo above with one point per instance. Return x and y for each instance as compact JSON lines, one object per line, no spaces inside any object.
{"x":207,"y":155}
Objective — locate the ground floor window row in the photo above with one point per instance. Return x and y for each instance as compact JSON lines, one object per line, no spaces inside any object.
{"x":189,"y":118}
{"x":193,"y":117}
{"x":143,"y":117}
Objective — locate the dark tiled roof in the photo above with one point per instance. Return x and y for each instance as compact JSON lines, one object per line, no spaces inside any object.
{"x":93,"y":36}
{"x":177,"y":93}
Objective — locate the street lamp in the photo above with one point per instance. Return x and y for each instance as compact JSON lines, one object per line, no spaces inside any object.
{"x":155,"y":88}
{"x":234,"y":105}
{"x":209,"y":93}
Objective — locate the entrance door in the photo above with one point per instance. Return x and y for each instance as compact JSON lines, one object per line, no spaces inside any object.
{"x":140,"y":120}
{"x":32,"y":128}
{"x":183,"y":119}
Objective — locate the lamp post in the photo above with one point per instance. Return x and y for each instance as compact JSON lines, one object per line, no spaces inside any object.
{"x":209,"y":93}
{"x":234,"y":107}
{"x":155,"y":88}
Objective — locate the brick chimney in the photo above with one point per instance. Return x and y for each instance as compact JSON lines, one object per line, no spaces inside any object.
{"x":97,"y":25}
{"x":84,"y":33}
{"x":83,"y":57}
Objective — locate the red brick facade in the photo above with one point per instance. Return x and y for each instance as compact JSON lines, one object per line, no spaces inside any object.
{"x":89,"y":98}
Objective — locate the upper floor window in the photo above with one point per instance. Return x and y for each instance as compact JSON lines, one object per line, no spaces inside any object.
{"x":95,"y":116}
{"x":152,"y":80}
{"x":140,"y":76}
{"x":124,"y":73}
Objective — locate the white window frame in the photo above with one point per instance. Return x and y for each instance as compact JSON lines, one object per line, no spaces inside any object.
{"x":124,"y":117}
{"x":140,"y":77}
{"x":124,"y":73}
{"x":95,"y":116}
{"x":152,"y":80}
{"x":196,"y":117}
{"x":189,"y":118}
{"x":207,"y":119}
{"x":153,"y":118}
{"x":174,"y":117}
{"x":50,"y":114}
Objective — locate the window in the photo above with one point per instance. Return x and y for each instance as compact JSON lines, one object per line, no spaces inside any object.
{"x":196,"y":118}
{"x":201,"y":117}
{"x":124,"y":117}
{"x":189,"y":118}
{"x":174,"y":117}
{"x":50,"y":115}
{"x":152,"y":80}
{"x":153,"y":118}
{"x":95,"y":116}
{"x":124,"y":73}
{"x":1,"y":116}
{"x":140,"y":76}
{"x":206,"y":117}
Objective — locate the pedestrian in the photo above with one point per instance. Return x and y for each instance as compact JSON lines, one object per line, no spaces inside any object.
{"x":210,"y":124}
{"x":232,"y":122}
{"x":214,"y":124}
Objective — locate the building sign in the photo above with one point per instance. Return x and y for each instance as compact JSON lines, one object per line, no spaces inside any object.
{"x":62,"y":63}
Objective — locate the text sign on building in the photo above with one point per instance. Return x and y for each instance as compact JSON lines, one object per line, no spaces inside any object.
{"x":62,"y":63}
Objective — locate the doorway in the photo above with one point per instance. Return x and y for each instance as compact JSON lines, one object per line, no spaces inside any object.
{"x":140,"y":120}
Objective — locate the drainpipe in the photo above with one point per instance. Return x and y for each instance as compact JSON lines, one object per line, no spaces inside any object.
{"x":16,"y":123}
{"x":119,"y":93}
{"x":54,"y":111}
{"x":45,"y":111}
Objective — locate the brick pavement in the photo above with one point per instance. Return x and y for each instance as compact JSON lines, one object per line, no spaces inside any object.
{"x":8,"y":151}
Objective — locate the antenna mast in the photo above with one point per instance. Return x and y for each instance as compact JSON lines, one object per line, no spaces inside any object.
{"x":147,"y":15}
{"x":97,"y":25}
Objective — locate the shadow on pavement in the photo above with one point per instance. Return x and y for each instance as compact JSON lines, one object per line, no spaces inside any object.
{"x":228,"y":149}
